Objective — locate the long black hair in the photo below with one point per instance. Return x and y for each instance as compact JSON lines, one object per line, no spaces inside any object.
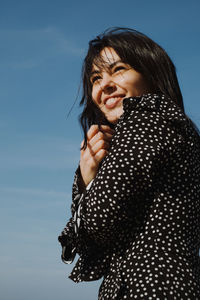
{"x":143,"y":55}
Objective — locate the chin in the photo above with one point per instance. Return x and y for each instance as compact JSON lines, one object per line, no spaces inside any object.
{"x":114,"y":116}
{"x":113,"y":120}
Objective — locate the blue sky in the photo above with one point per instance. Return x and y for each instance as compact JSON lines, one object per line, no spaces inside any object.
{"x":42,"y":45}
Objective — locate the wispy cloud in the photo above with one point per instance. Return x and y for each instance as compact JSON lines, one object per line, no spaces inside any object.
{"x":30,"y":48}
{"x":21,"y":191}
{"x":34,"y":151}
{"x":22,"y":205}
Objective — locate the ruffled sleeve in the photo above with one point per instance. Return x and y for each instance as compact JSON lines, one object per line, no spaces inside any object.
{"x":74,"y":240}
{"x":69,"y":235}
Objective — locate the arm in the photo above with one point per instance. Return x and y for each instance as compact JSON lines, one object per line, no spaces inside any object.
{"x":93,"y":260}
{"x":72,"y":240}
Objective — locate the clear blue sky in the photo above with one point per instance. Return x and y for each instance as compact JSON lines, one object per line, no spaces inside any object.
{"x":42,"y":45}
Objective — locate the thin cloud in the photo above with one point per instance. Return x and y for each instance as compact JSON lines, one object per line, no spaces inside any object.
{"x":39,"y":152}
{"x":28,"y":49}
{"x":21,"y":191}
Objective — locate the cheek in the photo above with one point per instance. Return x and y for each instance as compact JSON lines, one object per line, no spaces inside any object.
{"x":94,"y":95}
{"x":128,"y":85}
{"x":128,"y":82}
{"x":136,"y":84}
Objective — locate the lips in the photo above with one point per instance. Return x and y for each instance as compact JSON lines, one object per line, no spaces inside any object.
{"x":111,"y":102}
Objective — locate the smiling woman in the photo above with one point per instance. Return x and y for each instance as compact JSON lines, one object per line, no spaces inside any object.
{"x":116,"y":81}
{"x":136,"y":194}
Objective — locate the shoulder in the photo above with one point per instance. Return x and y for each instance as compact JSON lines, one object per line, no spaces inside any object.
{"x":159,"y":104}
{"x":155,"y":109}
{"x":155,"y":117}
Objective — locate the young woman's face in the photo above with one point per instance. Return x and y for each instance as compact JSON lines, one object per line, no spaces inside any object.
{"x":114,"y":82}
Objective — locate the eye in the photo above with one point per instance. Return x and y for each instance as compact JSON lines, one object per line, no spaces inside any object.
{"x":95,"y":79}
{"x":118,"y":68}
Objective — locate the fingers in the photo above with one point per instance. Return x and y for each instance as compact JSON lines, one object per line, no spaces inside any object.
{"x":100,"y":155}
{"x":98,"y":143}
{"x":100,"y":136}
{"x":91,"y":152}
{"x":96,"y":135}
{"x":94,"y":129}
{"x":96,"y":147}
{"x":82,"y":143}
{"x":94,"y":160}
{"x":98,"y":139}
{"x":101,"y":140}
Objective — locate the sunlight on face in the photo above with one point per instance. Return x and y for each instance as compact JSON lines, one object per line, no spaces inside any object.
{"x":114,"y":82}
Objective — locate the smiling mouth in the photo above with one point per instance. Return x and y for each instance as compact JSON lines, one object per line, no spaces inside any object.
{"x":113,"y":101}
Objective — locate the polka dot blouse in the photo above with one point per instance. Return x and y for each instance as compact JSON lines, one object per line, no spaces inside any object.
{"x":138,"y":224}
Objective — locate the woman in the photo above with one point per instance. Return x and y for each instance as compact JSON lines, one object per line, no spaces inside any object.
{"x":136,"y":194}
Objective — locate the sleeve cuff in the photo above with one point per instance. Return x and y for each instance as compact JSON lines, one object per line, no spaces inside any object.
{"x":89,"y":185}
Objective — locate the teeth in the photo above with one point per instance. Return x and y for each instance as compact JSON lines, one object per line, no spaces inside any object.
{"x":111,"y":100}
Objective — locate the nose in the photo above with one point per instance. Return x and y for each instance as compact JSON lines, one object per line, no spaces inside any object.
{"x":107,"y":84}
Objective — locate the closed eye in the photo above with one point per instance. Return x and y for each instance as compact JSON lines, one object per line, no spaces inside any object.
{"x":95,"y":78}
{"x":118,"y":68}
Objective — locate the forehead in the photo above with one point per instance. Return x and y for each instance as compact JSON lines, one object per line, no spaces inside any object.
{"x":107,"y":57}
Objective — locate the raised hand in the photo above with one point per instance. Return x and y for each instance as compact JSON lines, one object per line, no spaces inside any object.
{"x":98,"y":143}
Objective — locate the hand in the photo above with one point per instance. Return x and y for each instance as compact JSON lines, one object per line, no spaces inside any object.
{"x":98,"y":143}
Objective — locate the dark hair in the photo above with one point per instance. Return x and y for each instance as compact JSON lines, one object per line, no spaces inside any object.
{"x":142,"y":54}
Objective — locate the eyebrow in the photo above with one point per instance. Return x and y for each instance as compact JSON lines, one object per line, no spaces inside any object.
{"x":110,"y":66}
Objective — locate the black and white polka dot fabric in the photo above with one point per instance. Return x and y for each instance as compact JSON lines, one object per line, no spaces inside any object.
{"x":139,"y":223}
